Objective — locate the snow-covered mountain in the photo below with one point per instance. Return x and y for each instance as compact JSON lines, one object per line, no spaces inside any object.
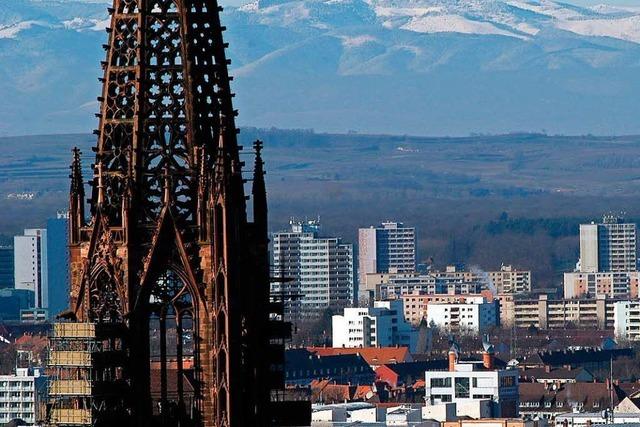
{"x":400,"y":66}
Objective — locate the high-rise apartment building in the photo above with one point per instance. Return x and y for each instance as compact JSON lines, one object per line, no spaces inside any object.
{"x":6,"y":267}
{"x":608,"y":260}
{"x":609,"y":246}
{"x":388,"y":248}
{"x":317,"y":271}
{"x":58,"y":262}
{"x":31,"y":266}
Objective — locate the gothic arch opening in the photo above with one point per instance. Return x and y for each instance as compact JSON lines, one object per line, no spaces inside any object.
{"x":173,"y":358}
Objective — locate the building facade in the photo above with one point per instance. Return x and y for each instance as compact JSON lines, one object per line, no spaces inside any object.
{"x":608,"y":246}
{"x":473,"y":381}
{"x":382,"y":325}
{"x":613,"y":284}
{"x":608,"y":261}
{"x":507,"y":280}
{"x":19,"y":395}
{"x":31,"y":265}
{"x":395,"y":285}
{"x":415,"y":306}
{"x":544,"y":313}
{"x":470,"y":317}
{"x":317,"y":271}
{"x":388,"y":248}
{"x":6,"y":267}
{"x":627,"y":320}
{"x":58,"y":262}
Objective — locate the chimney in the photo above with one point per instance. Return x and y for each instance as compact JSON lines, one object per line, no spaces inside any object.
{"x":487,"y":353}
{"x":452,"y":360}
{"x":487,"y":360}
{"x":547,"y":368}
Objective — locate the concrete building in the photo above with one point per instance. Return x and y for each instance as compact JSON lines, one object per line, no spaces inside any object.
{"x":545,"y":313}
{"x":6,"y":267}
{"x":415,"y":305}
{"x":627,"y":320}
{"x":58,"y":262}
{"x":470,"y":317}
{"x":621,"y":284}
{"x":318,"y":271}
{"x":388,"y":248}
{"x":19,"y":395}
{"x":31,"y":265}
{"x":507,"y":280}
{"x":608,"y":246}
{"x":394,"y":285}
{"x":382,"y":325}
{"x":608,"y":261}
{"x":469,"y":381}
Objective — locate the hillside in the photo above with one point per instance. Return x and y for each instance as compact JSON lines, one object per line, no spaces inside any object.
{"x":454,"y":190}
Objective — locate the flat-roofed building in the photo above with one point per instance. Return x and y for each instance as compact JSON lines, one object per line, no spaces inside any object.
{"x":390,"y":247}
{"x":546,"y":313}
{"x":318,"y":271}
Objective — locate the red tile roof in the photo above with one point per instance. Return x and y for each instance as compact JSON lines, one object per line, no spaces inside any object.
{"x":374,"y":356}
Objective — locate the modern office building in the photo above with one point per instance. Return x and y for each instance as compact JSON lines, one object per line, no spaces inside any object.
{"x":6,"y":267}
{"x":608,"y":246}
{"x":31,"y":265}
{"x":19,"y":395}
{"x":317,"y":272}
{"x":471,"y":381}
{"x":382,"y":325}
{"x":470,"y":317}
{"x":388,"y":248}
{"x":58,"y":262}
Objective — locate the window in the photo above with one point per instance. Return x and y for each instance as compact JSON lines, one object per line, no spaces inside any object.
{"x":507,"y":382}
{"x":462,"y":387}
{"x":441,"y":382}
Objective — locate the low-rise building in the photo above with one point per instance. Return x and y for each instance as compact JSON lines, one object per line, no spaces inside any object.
{"x":588,"y":419}
{"x":391,"y":285}
{"x":19,"y":395}
{"x":382,"y":325}
{"x":545,"y":313}
{"x":374,"y":356}
{"x":302,"y":367}
{"x":550,"y":375}
{"x":472,"y":316}
{"x":507,"y":280}
{"x":468,"y":381}
{"x":415,"y":305}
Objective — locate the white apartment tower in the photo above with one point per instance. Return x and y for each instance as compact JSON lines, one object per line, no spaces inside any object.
{"x":317,"y":271}
{"x":31,"y":268}
{"x":388,"y":248}
{"x":609,"y":246}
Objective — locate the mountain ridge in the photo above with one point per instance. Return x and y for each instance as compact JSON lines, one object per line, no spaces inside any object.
{"x":425,"y":67}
